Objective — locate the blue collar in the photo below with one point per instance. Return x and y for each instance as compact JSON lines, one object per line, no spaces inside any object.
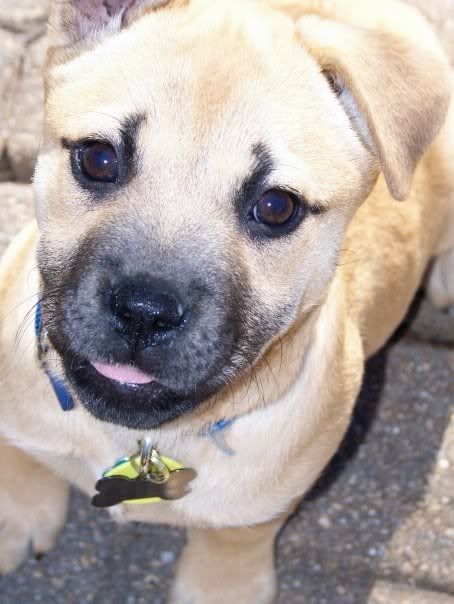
{"x":61,"y":392}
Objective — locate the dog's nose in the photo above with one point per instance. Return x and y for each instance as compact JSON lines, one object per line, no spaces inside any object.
{"x":146,"y":313}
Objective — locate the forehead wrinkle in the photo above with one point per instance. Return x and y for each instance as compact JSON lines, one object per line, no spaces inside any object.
{"x":125,"y":131}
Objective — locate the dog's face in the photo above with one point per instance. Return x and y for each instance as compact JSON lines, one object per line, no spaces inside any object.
{"x":197,"y":175}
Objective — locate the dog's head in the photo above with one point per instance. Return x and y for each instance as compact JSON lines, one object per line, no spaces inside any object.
{"x":200,"y":164}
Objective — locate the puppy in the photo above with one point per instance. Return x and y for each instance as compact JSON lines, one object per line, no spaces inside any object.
{"x":217,"y":251}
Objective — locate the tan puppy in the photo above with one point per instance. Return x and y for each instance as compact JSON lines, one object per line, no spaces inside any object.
{"x":218,"y":240}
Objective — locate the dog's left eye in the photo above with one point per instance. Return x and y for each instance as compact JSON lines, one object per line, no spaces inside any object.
{"x":98,"y":162}
{"x":275,"y":208}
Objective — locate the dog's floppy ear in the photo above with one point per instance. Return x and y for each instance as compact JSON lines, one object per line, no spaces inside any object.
{"x":395,"y":93}
{"x":75,"y":25}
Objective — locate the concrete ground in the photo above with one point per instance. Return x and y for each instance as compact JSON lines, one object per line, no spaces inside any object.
{"x":378,"y":528}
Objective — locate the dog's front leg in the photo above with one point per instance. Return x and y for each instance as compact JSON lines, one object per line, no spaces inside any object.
{"x":227,"y":566}
{"x":33,"y":505}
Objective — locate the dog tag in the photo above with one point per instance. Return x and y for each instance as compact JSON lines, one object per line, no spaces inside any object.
{"x":145,"y":477}
{"x":119,"y":489}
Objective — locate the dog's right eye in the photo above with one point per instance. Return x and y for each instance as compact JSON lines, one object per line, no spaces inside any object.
{"x":98,"y":162}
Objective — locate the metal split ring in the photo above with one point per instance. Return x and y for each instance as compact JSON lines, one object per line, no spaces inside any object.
{"x":146,"y":451}
{"x":151,"y":465}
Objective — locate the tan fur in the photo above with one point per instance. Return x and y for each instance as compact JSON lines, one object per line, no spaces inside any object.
{"x":241,"y":73}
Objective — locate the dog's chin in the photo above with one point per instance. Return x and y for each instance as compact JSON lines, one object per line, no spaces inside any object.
{"x":135,"y":406}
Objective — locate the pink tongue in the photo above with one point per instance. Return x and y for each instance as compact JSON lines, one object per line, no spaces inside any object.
{"x":126,"y":374}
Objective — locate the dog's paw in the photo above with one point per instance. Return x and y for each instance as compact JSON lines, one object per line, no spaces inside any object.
{"x":440,"y":286}
{"x":260,"y":590}
{"x":176,"y":597}
{"x":23,"y":527}
{"x":32,"y":514}
{"x":180,"y":596}
{"x":16,"y":539}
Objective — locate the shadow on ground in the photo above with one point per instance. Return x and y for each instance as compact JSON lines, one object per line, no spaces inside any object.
{"x":332,"y":548}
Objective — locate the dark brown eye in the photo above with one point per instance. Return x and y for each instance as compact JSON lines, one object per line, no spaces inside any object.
{"x":275,"y":208}
{"x":99,"y":162}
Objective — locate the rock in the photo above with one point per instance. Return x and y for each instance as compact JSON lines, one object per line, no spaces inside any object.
{"x":10,"y":62}
{"x":440,"y":13}
{"x":6,"y":172}
{"x":431,"y":324}
{"x":25,"y":122}
{"x":387,"y":593}
{"x":426,"y":323}
{"x":24,"y":17}
{"x":16,"y":206}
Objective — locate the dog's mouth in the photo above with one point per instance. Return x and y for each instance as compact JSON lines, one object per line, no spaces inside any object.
{"x":126,"y":395}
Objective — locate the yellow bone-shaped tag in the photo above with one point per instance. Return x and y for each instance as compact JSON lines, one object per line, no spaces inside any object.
{"x":128,"y":467}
